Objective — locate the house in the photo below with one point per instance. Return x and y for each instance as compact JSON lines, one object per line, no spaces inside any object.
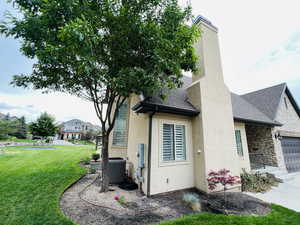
{"x":172,"y":144}
{"x":76,"y":129}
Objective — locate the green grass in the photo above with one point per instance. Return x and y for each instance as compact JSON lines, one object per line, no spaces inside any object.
{"x":82,"y":142}
{"x":32,"y":181}
{"x":278,"y":216}
{"x":14,"y":139}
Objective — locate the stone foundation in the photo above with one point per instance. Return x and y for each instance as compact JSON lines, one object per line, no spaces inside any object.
{"x":261,"y":141}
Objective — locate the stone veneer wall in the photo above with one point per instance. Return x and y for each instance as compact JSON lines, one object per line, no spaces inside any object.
{"x":260,"y":140}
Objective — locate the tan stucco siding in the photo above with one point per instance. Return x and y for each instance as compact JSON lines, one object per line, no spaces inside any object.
{"x":214,"y":126}
{"x":288,"y":116}
{"x":243,"y":160}
{"x":138,"y":133}
{"x":170,"y":176}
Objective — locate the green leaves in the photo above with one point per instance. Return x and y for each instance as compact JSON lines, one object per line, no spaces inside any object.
{"x":131,"y":46}
{"x":44,"y":126}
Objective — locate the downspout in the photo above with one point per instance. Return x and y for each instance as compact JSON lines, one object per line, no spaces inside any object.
{"x":149,"y":153}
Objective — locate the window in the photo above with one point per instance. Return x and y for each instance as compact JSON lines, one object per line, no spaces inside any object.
{"x":173,"y":142}
{"x":239,"y":144}
{"x":285,"y":102}
{"x":120,"y":129}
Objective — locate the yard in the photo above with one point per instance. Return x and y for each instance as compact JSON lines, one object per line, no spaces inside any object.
{"x":32,"y":181}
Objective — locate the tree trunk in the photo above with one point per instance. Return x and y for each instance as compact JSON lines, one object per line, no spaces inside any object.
{"x":105,"y":178}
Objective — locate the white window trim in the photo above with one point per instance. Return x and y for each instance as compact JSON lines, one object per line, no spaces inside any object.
{"x":187,"y":160}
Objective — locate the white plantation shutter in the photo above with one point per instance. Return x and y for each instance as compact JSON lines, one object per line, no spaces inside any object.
{"x":180,"y":146}
{"x":168,"y":142}
{"x":173,"y":142}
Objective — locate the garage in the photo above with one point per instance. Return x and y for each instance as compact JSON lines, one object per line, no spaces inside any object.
{"x":291,"y":153}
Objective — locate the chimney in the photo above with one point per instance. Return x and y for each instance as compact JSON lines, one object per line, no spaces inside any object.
{"x":213,"y":128}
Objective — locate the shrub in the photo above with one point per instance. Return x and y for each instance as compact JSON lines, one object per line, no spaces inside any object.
{"x":85,"y":160}
{"x":95,"y":156}
{"x":222,"y":177}
{"x":193,"y":201}
{"x":258,"y":182}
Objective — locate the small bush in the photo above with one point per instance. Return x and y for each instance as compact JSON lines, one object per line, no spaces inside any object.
{"x":258,"y":182}
{"x":86,"y":160}
{"x":95,"y":156}
{"x":193,"y":201}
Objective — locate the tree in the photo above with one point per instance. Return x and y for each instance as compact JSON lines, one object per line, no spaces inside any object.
{"x":6,"y":127}
{"x":21,"y":128}
{"x":223,"y":178}
{"x":44,"y":126}
{"x":104,"y":51}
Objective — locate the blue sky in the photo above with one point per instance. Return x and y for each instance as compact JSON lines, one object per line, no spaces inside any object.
{"x":259,"y":41}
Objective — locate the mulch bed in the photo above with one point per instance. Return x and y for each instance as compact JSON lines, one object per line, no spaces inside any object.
{"x":83,"y":204}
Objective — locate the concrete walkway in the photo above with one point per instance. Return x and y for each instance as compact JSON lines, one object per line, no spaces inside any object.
{"x":287,"y":194}
{"x":62,"y":142}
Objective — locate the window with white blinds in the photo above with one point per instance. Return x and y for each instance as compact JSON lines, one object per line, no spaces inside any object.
{"x":120,"y":129}
{"x":173,"y":142}
{"x":239,"y":144}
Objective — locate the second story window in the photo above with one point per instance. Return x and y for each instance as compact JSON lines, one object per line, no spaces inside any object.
{"x":120,"y":129}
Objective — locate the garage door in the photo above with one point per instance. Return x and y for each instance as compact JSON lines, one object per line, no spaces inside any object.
{"x":291,"y":153}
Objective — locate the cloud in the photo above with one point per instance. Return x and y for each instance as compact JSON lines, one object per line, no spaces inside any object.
{"x":62,"y":106}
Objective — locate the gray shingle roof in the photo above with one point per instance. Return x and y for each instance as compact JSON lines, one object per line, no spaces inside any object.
{"x":245,"y":111}
{"x":176,"y":98}
{"x":266,"y":100}
{"x":247,"y":108}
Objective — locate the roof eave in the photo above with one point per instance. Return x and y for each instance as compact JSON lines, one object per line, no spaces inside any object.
{"x":237,"y":119}
{"x":146,"y":107}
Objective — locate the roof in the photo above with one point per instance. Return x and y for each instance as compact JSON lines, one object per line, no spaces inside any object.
{"x":256,"y":107}
{"x":176,"y":102}
{"x":268,"y":100}
{"x":245,"y":111}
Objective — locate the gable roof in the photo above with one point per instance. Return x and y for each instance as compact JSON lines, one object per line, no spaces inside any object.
{"x":268,"y":100}
{"x":246,"y":112}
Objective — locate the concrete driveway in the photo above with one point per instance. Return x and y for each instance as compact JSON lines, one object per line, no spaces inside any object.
{"x":287,"y":194}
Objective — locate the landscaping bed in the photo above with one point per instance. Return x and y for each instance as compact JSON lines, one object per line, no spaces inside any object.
{"x":83,"y":204}
{"x":32,"y":182}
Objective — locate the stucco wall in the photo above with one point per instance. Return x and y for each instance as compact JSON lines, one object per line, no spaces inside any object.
{"x":215,"y":126}
{"x":171,"y":176}
{"x":138,"y":133}
{"x":243,"y":160}
{"x":288,"y":116}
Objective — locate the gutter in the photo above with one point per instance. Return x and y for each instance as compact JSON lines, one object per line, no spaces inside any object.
{"x":149,"y":153}
{"x":257,"y":122}
{"x":144,"y":107}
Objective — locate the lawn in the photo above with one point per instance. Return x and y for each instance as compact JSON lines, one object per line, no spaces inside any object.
{"x":14,"y":139}
{"x":32,"y":181}
{"x":278,"y":216}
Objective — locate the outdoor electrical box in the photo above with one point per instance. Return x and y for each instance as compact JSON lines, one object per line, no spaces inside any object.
{"x":141,"y":155}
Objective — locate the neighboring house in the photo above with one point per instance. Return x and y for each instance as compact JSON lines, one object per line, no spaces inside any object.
{"x":172,"y":144}
{"x":76,"y":129}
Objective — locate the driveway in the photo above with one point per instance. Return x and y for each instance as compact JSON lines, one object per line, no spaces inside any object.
{"x":287,"y":194}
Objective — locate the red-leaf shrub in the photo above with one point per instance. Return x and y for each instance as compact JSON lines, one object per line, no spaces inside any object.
{"x":222,"y":177}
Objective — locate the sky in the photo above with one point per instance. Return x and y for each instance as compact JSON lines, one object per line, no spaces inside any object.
{"x":259,"y":43}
